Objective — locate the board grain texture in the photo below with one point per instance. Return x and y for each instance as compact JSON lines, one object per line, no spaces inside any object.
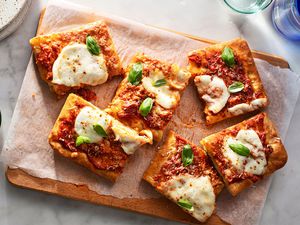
{"x":160,"y":207}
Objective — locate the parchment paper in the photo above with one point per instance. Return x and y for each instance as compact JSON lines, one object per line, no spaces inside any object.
{"x":37,"y":109}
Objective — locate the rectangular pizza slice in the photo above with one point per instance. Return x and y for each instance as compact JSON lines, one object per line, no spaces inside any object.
{"x":227,"y":80}
{"x":183,"y":172}
{"x":94,"y":139}
{"x":84,"y":56}
{"x":246,"y":152}
{"x":149,"y":94}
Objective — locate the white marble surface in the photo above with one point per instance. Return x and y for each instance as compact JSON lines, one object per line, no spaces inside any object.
{"x":208,"y":19}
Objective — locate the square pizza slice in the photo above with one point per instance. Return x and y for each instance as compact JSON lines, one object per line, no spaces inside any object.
{"x":84,"y":56}
{"x":149,"y":94}
{"x":227,"y":80}
{"x":246,"y":152}
{"x":183,"y":172}
{"x":94,"y":139}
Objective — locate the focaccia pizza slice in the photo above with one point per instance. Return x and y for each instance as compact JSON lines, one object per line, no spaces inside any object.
{"x":80,"y":57}
{"x":149,"y":94}
{"x":227,"y":80}
{"x":94,"y":139}
{"x":184,"y":173}
{"x":246,"y":152}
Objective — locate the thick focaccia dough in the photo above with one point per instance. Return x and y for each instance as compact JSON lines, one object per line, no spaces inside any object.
{"x":125,"y":104}
{"x":275,"y":160}
{"x":198,"y":67}
{"x":80,"y":157}
{"x":169,"y":150}
{"x":46,"y":49}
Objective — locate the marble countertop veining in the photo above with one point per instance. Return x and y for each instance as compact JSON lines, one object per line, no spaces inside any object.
{"x":209,"y":19}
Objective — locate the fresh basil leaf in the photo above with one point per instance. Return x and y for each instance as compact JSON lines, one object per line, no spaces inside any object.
{"x":146,"y":106}
{"x":159,"y":83}
{"x":187,"y":155}
{"x":92,"y":45}
{"x":240,"y":149}
{"x":82,"y":139}
{"x":186,"y":204}
{"x":236,"y":87}
{"x":135,"y":74}
{"x":99,"y":130}
{"x":228,"y":56}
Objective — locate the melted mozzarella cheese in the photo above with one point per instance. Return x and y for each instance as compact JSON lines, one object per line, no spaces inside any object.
{"x":213,"y":91}
{"x":129,"y":138}
{"x":244,"y":107}
{"x":164,"y":96}
{"x":197,"y":190}
{"x":254,"y":165}
{"x":75,"y":65}
{"x":85,"y":120}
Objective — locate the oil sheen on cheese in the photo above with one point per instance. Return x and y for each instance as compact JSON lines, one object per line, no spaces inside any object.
{"x":214,"y":92}
{"x":164,"y":96}
{"x":75,"y":65}
{"x":197,"y":190}
{"x":253,"y":165}
{"x":129,"y":138}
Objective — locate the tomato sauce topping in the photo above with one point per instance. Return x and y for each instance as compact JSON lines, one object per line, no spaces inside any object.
{"x":107,"y":155}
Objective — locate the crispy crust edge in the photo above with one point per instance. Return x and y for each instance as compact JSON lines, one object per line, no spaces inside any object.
{"x":242,"y":49}
{"x":110,"y":55}
{"x":80,"y":158}
{"x":277,"y":158}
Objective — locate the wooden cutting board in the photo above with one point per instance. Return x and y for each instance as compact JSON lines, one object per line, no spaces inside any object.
{"x":160,"y":207}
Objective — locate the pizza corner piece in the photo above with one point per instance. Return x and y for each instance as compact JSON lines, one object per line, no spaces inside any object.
{"x":94,"y":139}
{"x":246,"y":152}
{"x":183,"y":173}
{"x":149,"y":94}
{"x":83,"y":56}
{"x":227,"y":80}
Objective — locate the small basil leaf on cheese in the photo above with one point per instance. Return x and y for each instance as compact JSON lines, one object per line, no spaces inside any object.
{"x":236,"y":87}
{"x":187,"y":155}
{"x":186,"y":204}
{"x":240,"y":149}
{"x":92,"y":45}
{"x":228,"y":56}
{"x":81,"y":140}
{"x":146,"y":106}
{"x":135,"y":74}
{"x":160,"y":82}
{"x":99,"y":130}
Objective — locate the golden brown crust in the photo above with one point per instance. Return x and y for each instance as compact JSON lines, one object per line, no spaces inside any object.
{"x":197,"y":67}
{"x":128,"y":98}
{"x":46,"y":49}
{"x":78,"y":157}
{"x":276,"y":159}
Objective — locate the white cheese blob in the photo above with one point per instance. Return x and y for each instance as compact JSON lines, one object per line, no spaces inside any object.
{"x":213,"y":91}
{"x":164,"y":96}
{"x":197,"y":190}
{"x":129,"y":138}
{"x":244,"y":107}
{"x":75,"y":65}
{"x":251,"y":164}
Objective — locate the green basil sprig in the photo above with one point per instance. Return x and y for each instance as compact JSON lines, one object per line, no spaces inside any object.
{"x":82,"y":139}
{"x":92,"y":45}
{"x":236,"y":87}
{"x":240,"y":149}
{"x":99,"y":130}
{"x":146,"y":106}
{"x":135,"y":74}
{"x":187,"y":155}
{"x":186,"y":204}
{"x":160,"y":82}
{"x":228,"y":56}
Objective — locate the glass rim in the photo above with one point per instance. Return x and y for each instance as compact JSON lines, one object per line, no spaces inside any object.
{"x":245,"y":11}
